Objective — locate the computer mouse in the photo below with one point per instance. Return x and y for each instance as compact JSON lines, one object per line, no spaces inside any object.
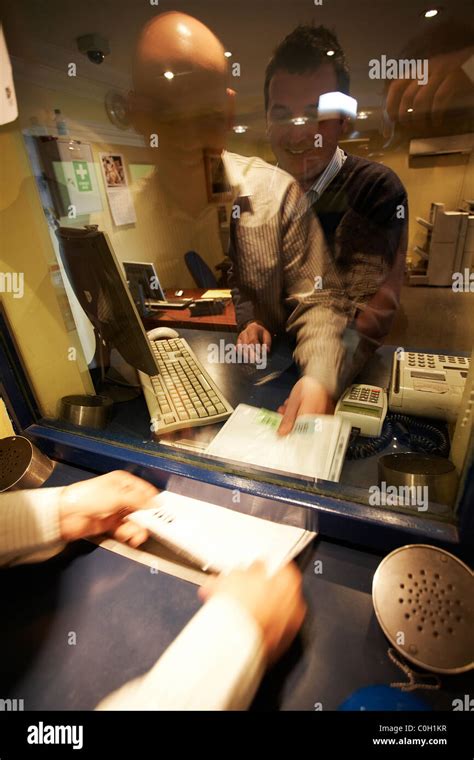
{"x":161,"y":333}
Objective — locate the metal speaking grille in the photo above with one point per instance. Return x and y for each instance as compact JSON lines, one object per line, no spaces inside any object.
{"x":424,"y":600}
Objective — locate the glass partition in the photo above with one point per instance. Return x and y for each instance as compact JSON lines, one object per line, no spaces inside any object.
{"x":218,"y":221}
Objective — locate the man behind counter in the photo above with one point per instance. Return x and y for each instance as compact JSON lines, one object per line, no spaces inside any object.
{"x":277,"y":239}
{"x":361,"y":205}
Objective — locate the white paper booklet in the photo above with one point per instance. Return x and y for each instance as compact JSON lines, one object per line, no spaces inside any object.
{"x":219,"y":539}
{"x":315,"y":447}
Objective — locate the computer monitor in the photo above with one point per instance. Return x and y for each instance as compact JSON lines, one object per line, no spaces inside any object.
{"x":102,"y":291}
{"x":143,"y":281}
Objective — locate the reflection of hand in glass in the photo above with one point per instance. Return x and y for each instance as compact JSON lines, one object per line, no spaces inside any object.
{"x":275,"y":602}
{"x":448,"y":85}
{"x":308,"y":396}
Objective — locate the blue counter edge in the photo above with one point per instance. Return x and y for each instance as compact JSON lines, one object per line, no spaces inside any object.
{"x":336,"y":518}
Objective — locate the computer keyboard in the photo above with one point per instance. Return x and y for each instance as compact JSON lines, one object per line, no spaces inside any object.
{"x":184,"y":395}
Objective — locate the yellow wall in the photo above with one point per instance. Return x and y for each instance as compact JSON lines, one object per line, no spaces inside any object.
{"x":6,"y":427}
{"x":41,"y":321}
{"x":441,"y":179}
{"x":35,"y":319}
{"x":155,"y":237}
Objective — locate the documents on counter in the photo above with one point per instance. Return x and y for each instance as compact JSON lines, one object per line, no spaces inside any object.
{"x":219,"y":539}
{"x":315,"y":448}
{"x":221,"y":295}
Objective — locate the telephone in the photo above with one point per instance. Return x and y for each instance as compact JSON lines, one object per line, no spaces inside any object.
{"x":427,"y":385}
{"x":365,"y":406}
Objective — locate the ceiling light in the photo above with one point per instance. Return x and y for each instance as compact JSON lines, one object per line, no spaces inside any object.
{"x":431,"y":13}
{"x":363,"y":114}
{"x":409,"y":110}
{"x":228,"y":54}
{"x":332,"y":104}
{"x":168,"y":75}
{"x":330,"y":52}
{"x":239,"y":129}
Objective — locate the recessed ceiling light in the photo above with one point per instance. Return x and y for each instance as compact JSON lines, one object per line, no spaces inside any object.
{"x":228,"y":54}
{"x":330,"y":52}
{"x":409,"y":110}
{"x":431,"y":13}
{"x":239,"y":129}
{"x":168,"y":75}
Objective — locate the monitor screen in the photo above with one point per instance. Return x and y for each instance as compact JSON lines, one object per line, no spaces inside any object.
{"x":100,"y":287}
{"x":142,"y":275}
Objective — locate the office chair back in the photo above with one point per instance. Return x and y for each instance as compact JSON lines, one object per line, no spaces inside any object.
{"x":201,"y":273}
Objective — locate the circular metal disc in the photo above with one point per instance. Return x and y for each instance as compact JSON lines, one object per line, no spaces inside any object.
{"x":15,"y":458}
{"x":424,"y":601}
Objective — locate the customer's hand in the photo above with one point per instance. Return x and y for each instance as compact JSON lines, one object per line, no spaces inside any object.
{"x":99,"y":505}
{"x":308,"y":396}
{"x":275,"y":602}
{"x":254,"y":333}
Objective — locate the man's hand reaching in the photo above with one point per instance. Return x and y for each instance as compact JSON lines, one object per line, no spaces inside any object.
{"x":308,"y":396}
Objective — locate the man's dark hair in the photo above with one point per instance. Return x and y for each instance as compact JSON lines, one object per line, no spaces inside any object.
{"x":305,"y":50}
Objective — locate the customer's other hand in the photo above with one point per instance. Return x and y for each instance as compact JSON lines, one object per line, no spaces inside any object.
{"x":275,"y":602}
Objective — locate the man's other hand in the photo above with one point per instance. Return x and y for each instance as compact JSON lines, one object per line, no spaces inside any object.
{"x":255,"y":333}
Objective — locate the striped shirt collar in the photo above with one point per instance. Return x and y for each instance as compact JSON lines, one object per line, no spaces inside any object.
{"x":235,"y":176}
{"x":324,"y":179}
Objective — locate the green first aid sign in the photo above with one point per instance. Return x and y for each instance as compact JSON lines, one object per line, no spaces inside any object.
{"x":83,"y":179}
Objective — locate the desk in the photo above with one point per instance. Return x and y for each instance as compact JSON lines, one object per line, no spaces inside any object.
{"x":124,"y":617}
{"x":130,"y":423}
{"x":184,"y":318}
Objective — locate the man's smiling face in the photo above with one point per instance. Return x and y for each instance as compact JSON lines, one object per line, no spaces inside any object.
{"x":294,"y":97}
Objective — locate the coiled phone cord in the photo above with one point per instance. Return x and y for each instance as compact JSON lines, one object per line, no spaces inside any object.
{"x":423,"y":437}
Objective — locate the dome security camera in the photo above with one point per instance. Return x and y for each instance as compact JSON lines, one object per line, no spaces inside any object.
{"x":94,"y":46}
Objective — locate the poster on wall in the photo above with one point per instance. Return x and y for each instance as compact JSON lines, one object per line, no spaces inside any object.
{"x":118,"y":191}
{"x":75,"y":171}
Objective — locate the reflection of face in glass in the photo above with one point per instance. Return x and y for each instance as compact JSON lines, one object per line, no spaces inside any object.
{"x":302,"y":145}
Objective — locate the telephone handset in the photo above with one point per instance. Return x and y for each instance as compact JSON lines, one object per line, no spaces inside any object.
{"x":365,"y":406}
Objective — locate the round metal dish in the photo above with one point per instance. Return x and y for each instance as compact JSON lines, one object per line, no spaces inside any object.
{"x":22,"y":464}
{"x":411,"y":469}
{"x":424,"y":600}
{"x":86,"y":411}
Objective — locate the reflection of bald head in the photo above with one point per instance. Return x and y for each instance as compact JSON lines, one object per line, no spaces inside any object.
{"x":181,"y":44}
